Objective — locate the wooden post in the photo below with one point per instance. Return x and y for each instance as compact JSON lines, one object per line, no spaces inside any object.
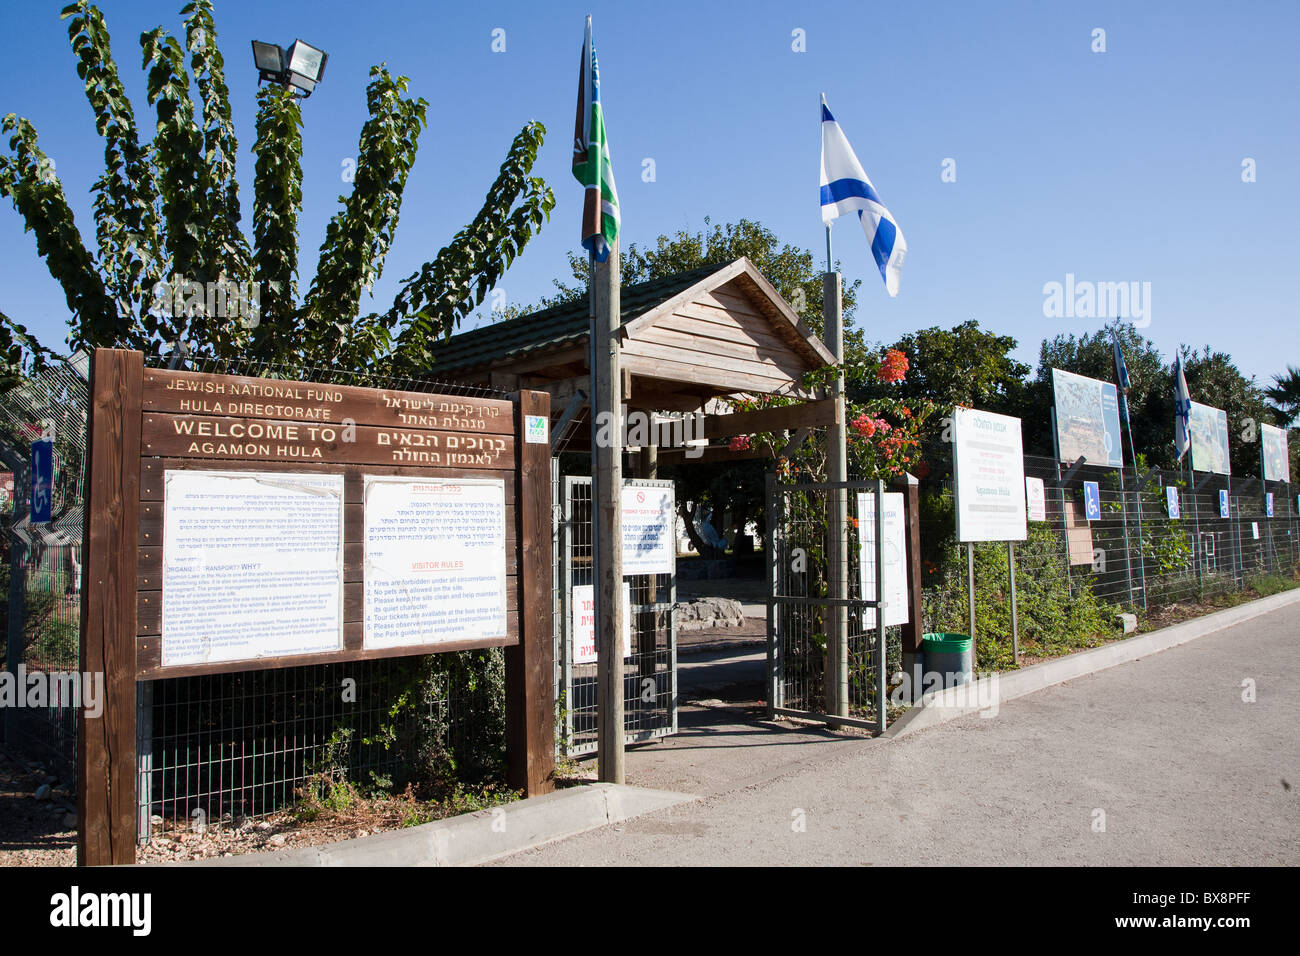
{"x":106,"y":751}
{"x":837,"y":543}
{"x":606,"y":507}
{"x":530,"y":667}
{"x":912,"y":632}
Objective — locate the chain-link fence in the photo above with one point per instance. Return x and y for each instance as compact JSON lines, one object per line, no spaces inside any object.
{"x":42,"y":565}
{"x":1161,"y":538}
{"x":247,"y":744}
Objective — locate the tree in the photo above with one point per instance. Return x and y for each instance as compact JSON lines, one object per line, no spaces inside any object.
{"x":964,"y":365}
{"x":1284,"y":396}
{"x":171,"y":256}
{"x":790,"y":269}
{"x":1150,"y":397}
{"x":1212,"y":378}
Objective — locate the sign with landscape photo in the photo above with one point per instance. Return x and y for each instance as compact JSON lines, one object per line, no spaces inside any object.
{"x":1087,"y":420}
{"x":1209,"y":429}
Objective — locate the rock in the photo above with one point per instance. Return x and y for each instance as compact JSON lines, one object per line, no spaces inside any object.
{"x":363,"y":833}
{"x":707,"y":612}
{"x":1127,"y":621}
{"x":264,"y":825}
{"x":70,"y":821}
{"x":278,"y":839}
{"x":43,"y":792}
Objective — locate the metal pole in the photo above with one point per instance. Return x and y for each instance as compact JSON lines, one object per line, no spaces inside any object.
{"x":1128,"y":545}
{"x":1056,"y":464}
{"x":837,"y":507}
{"x":1015,"y":624}
{"x":1196,"y":528}
{"x":1137,"y":500}
{"x":970,"y":592}
{"x":606,"y":508}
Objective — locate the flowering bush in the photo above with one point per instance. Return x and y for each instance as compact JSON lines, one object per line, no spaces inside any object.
{"x":883,"y":435}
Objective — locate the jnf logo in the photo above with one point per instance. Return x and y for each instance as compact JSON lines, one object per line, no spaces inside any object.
{"x":1098,"y":300}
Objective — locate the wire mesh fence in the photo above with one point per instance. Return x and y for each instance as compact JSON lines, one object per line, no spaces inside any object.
{"x":231,"y":745}
{"x":42,"y":569}
{"x":802,"y":615}
{"x":650,"y":659}
{"x":1160,"y":538}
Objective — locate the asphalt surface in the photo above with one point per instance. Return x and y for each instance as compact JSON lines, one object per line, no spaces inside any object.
{"x":1155,"y":762}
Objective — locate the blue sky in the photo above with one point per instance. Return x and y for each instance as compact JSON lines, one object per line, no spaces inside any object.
{"x":1117,"y":166}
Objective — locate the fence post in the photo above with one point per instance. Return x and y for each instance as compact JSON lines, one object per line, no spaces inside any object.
{"x":970,"y":592}
{"x":773,"y":588}
{"x":530,"y":670}
{"x":106,"y":745}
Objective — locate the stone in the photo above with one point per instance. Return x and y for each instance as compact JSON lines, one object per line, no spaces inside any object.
{"x":70,"y":820}
{"x":278,"y":839}
{"x":43,"y":792}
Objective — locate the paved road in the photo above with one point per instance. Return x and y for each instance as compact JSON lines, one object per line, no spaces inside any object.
{"x":1183,"y":769}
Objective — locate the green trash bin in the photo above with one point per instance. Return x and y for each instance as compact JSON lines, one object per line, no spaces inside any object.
{"x":949,"y":656}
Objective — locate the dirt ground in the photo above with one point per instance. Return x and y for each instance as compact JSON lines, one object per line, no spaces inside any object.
{"x":35,"y":832}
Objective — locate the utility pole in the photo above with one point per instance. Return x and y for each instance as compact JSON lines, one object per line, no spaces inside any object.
{"x":606,"y":512}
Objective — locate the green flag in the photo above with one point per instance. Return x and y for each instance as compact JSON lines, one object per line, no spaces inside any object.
{"x":591,"y":163}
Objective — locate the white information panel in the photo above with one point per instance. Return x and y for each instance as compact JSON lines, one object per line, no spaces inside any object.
{"x":252,"y":565}
{"x":1035,"y":499}
{"x":584,"y":623}
{"x":649,"y":519}
{"x":989,"y":473}
{"x":895,"y":595}
{"x":435,"y":560}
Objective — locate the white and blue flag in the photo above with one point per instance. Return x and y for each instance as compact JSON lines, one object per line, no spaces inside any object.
{"x":846,"y":188}
{"x":1182,"y":410}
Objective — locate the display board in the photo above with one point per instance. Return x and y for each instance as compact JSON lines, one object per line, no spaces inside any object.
{"x":583,"y":603}
{"x":253,"y":565}
{"x":1087,"y":419}
{"x":895,"y":535}
{"x":1277,"y":456}
{"x":989,"y":475}
{"x":1035,"y":499}
{"x":649,"y":526}
{"x":1209,"y":431}
{"x":237,"y":523}
{"x":435,"y":560}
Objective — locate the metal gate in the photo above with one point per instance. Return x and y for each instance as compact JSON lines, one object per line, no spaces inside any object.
{"x":800,"y":613}
{"x":650,"y":666}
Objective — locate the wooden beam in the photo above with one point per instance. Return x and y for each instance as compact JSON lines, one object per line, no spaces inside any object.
{"x":106,"y":744}
{"x":813,"y":414}
{"x":530,"y":668}
{"x":678,"y":456}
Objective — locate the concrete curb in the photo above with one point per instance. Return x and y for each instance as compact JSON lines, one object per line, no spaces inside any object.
{"x":987,"y":693}
{"x":477,"y":837}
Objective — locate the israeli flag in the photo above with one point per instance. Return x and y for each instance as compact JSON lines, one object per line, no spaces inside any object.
{"x":846,"y":188}
{"x":1182,"y":409}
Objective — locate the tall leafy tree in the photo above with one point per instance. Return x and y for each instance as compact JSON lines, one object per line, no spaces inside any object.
{"x":790,"y":269}
{"x":167,"y":211}
{"x":1284,"y":396}
{"x":1150,"y":398}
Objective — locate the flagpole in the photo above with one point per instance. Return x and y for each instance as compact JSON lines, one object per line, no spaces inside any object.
{"x":606,"y":512}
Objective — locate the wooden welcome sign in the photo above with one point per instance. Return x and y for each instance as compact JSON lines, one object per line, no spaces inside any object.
{"x":237,"y":523}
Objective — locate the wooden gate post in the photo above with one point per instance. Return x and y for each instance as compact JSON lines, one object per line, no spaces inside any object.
{"x":530,"y":668}
{"x":106,"y":770}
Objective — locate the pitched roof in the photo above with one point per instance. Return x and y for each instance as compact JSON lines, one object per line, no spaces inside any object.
{"x":557,"y":326}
